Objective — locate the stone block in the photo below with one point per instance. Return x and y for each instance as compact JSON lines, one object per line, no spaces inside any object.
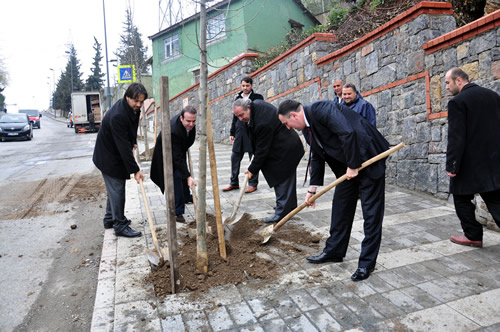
{"x":371,"y":62}
{"x":463,"y":50}
{"x":483,"y":42}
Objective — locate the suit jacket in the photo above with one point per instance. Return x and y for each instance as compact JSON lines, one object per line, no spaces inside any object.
{"x":277,"y":150}
{"x":115,"y":141}
{"x":343,"y":138}
{"x":181,"y":142}
{"x":239,"y":129}
{"x":473,"y":152}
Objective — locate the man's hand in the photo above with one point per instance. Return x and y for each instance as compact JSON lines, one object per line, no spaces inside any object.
{"x":309,"y":195}
{"x":191,"y":182}
{"x":249,"y":173}
{"x":139,"y":176}
{"x":135,"y":146}
{"x":451,"y":175}
{"x":351,"y":173}
{"x":231,"y":138}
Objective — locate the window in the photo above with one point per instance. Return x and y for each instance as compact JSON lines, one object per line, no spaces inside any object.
{"x":216,"y":27}
{"x":172,"y":46}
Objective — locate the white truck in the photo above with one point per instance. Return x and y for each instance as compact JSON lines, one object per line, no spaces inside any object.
{"x":87,"y":112}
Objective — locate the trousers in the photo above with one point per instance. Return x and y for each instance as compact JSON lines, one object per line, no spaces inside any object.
{"x":115,"y":203}
{"x":465,"y":210}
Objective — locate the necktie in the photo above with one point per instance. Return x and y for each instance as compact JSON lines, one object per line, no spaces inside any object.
{"x":310,"y":154}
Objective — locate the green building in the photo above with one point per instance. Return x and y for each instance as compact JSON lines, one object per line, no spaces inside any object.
{"x":233,"y":27}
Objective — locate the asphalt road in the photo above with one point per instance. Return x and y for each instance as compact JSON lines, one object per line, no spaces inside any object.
{"x":49,"y":270}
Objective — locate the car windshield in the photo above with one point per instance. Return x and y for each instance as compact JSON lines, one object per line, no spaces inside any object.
{"x":13,"y":118}
{"x":29,"y":112}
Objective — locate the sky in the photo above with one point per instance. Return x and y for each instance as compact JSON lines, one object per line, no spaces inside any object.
{"x":35,"y":35}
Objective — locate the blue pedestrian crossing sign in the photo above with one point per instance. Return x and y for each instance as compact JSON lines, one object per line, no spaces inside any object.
{"x":126,"y":74}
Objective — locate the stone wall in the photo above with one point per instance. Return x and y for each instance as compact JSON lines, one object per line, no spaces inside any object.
{"x":399,"y":68}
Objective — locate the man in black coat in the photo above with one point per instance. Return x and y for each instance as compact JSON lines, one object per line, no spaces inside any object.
{"x":277,"y":152}
{"x":241,"y":141}
{"x":183,"y":133}
{"x":473,"y":154}
{"x":344,"y":139}
{"x":113,"y":155}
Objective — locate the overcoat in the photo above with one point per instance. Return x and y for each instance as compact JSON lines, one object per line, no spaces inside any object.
{"x":181,"y":142}
{"x":115,"y":141}
{"x":239,"y":129}
{"x":343,"y":138}
{"x":277,"y":150}
{"x":473,"y":152}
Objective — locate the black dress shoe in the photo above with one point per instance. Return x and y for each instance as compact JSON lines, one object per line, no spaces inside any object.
{"x":128,"y":232}
{"x":108,"y":224}
{"x":324,"y":258}
{"x":272,"y":219}
{"x":361,"y":273}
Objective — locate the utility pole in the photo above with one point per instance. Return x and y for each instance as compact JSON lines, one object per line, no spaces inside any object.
{"x":108,"y":90}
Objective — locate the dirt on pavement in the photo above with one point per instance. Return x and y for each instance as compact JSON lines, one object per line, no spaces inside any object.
{"x":65,"y":299}
{"x":244,"y":251}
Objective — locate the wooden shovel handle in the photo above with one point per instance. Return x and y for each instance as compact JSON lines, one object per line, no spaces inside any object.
{"x":335,"y":183}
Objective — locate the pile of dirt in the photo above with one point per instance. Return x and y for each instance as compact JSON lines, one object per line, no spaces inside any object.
{"x":243,"y":245}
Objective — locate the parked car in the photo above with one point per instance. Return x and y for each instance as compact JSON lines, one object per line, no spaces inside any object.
{"x":34,"y":116}
{"x":69,"y":120}
{"x":15,"y":127}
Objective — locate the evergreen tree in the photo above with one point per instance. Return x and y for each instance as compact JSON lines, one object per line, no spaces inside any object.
{"x":132,"y":50}
{"x":69,"y":82}
{"x":95,"y":81}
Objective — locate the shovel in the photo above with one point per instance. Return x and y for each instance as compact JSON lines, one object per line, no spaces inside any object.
{"x":268,"y":231}
{"x":235,"y":218}
{"x":156,"y":256}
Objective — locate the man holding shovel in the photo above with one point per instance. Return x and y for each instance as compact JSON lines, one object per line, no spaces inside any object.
{"x":183,"y":133}
{"x":277,"y":152}
{"x":343,"y":139}
{"x":113,"y":156}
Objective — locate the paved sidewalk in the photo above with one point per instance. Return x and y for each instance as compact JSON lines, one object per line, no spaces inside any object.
{"x":422,"y":281}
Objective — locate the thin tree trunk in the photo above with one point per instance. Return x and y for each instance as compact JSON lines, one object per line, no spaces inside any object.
{"x":201,"y":212}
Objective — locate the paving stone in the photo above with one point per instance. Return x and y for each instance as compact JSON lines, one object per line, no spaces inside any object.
{"x":323,"y":320}
{"x":286,"y":307}
{"x":252,"y":328}
{"x":105,"y":293}
{"x":446,"y":290}
{"x":481,"y":308}
{"x":219,"y":319}
{"x":263,"y":308}
{"x":420,"y":296}
{"x":196,"y":321}
{"x":130,"y":285}
{"x":103,"y":319}
{"x":423,"y":272}
{"x":241,"y":313}
{"x":384,"y":306}
{"x":132,"y":312}
{"x":361,"y":289}
{"x":300,"y":323}
{"x":323,"y":296}
{"x":109,"y":249}
{"x":377,"y":283}
{"x":402,"y":301}
{"x":343,"y":315}
{"x":275,"y":325}
{"x":107,"y":268}
{"x":140,"y":325}
{"x":392,"y":278}
{"x":440,"y":318}
{"x":303,"y":300}
{"x":172,"y":323}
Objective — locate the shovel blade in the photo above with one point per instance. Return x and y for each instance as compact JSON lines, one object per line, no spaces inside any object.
{"x":266,"y":233}
{"x":153,"y":257}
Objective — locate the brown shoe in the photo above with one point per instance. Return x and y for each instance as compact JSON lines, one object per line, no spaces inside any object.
{"x":463,"y":240}
{"x":180,"y":218}
{"x":231,"y":187}
{"x":250,"y":189}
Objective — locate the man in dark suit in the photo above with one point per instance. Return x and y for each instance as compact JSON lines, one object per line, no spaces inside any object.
{"x":277,"y":152}
{"x":344,"y":139}
{"x":337,"y":90}
{"x":241,"y":141}
{"x":183,"y":133}
{"x":473,"y":154}
{"x":113,"y":156}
